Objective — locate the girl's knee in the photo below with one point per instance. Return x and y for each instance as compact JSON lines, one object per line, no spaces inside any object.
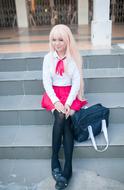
{"x":59,"y":115}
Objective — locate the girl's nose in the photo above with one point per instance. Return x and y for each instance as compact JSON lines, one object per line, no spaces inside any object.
{"x":57,"y":42}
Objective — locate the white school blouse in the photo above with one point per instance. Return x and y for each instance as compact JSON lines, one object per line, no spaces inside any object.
{"x":69,"y":78}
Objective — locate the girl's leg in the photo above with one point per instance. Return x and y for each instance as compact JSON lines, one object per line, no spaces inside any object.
{"x":57,"y":134}
{"x":68,"y":143}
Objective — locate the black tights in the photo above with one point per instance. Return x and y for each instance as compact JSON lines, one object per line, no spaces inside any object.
{"x":62,"y":129}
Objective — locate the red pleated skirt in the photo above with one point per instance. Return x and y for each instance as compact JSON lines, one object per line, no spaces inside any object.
{"x":62,"y":93}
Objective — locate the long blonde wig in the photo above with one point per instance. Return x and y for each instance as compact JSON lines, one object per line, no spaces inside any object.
{"x":65,"y":33}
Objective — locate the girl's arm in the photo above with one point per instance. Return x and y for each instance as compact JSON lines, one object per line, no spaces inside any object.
{"x":75,"y":85}
{"x":47,"y":80}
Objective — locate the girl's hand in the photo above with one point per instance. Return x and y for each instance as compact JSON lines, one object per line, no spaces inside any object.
{"x":67,"y":110}
{"x":59,"y":107}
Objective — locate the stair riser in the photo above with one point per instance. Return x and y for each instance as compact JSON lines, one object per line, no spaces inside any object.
{"x":95,"y":85}
{"x":35,"y":63}
{"x":44,"y":152}
{"x":34,"y":87}
{"x":41,"y":117}
{"x":24,"y":64}
{"x":103,"y":61}
{"x":103,"y":85}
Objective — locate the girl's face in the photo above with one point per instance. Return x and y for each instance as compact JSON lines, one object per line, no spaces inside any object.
{"x":59,"y":44}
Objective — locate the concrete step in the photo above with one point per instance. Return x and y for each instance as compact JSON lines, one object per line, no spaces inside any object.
{"x":104,"y":60}
{"x":34,"y":142}
{"x":21,"y":62}
{"x":33,"y":61}
{"x":16,"y":174}
{"x":30,"y":82}
{"x":26,"y":109}
{"x":21,"y":83}
{"x":104,"y":80}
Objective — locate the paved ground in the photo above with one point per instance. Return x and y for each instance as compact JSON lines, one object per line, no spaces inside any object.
{"x":81,"y":180}
{"x":36,"y":39}
{"x":29,"y":174}
{"x":84,"y":180}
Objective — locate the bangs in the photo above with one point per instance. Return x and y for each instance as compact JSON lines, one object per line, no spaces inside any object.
{"x":58,"y":33}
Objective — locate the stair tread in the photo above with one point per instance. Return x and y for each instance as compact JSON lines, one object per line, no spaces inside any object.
{"x":32,"y":102}
{"x":37,"y":75}
{"x":22,"y":55}
{"x":93,"y":52}
{"x":20,"y":75}
{"x":40,"y":136}
{"x":104,"y":73}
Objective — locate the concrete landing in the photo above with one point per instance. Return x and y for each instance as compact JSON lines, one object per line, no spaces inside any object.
{"x":84,"y":180}
{"x":81,"y":180}
{"x":88,"y":174}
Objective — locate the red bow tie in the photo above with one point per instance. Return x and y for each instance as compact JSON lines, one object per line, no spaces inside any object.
{"x":60,"y":67}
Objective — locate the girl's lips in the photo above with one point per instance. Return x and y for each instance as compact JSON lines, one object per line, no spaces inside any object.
{"x":58,"y":48}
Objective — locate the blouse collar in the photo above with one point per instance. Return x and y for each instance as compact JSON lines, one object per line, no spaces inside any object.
{"x":57,"y":56}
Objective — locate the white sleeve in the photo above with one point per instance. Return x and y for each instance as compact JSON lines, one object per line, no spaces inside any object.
{"x":47,"y":80}
{"x":75,"y":86}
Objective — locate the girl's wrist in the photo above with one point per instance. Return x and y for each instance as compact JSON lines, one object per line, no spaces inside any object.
{"x":56,"y":102}
{"x":68,"y":105}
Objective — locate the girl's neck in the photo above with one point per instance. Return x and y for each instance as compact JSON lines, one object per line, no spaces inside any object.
{"x":61,"y":54}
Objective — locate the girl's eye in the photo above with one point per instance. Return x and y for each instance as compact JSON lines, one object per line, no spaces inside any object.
{"x":61,"y":40}
{"x":53,"y":39}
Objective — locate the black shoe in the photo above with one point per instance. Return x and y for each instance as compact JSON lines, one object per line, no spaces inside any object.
{"x":56,"y":173}
{"x":62,"y":183}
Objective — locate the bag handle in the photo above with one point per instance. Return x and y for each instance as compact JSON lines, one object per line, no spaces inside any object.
{"x":104,"y":129}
